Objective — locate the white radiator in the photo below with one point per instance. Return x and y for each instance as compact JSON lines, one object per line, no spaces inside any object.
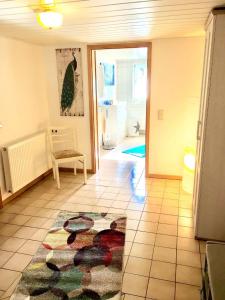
{"x":25,"y":160}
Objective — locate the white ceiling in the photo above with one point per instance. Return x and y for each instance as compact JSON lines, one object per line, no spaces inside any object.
{"x":95,"y":21}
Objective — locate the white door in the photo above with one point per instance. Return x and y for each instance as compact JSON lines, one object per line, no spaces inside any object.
{"x":202,"y":116}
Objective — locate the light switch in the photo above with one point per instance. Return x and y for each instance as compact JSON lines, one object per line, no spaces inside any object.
{"x":160,"y":114}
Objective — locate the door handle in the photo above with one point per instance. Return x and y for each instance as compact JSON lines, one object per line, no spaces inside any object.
{"x":199,"y":130}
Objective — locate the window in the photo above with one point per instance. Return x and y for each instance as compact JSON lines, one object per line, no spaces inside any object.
{"x":139,"y":81}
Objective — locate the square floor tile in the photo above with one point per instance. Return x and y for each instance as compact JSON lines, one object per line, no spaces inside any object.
{"x":115,"y":210}
{"x":141,"y":250}
{"x":122,"y":197}
{"x":167,"y":229}
{"x":135,"y":284}
{"x":152,"y":208}
{"x":139,"y":266}
{"x":30,"y":211}
{"x":161,"y":289}
{"x":6,"y":218}
{"x":100,"y":209}
{"x":171,"y":195}
{"x":36,"y":222}
{"x":133,"y":214}
{"x":106,"y":195}
{"x":184,"y":221}
{"x":186,"y":232}
{"x":188,"y":275}
{"x":18,"y":262}
{"x":8,"y":229}
{"x":145,"y":238}
{"x":185,"y":212}
{"x":7,"y":294}
{"x":29,"y":247}
{"x":187,"y":292}
{"x":46,"y":196}
{"x":4,"y":257}
{"x":187,"y":244}
{"x":151,"y":217}
{"x":40,"y":203}
{"x":125,"y":259}
{"x":25,"y":232}
{"x":119,"y":204}
{"x":168,"y":241}
{"x":170,"y":202}
{"x":39,"y":235}
{"x":131,"y":297}
{"x":130,"y":234}
{"x":164,"y":254}
{"x":14,"y":208}
{"x":110,"y":189}
{"x":19,"y":220}
{"x":153,"y":200}
{"x":48,"y":224}
{"x":188,"y":258}
{"x":105,"y":202}
{"x":127,"y":248}
{"x":135,"y":206}
{"x":169,"y":210}
{"x":158,"y":194}
{"x":168,"y":219}
{"x":163,"y":270}
{"x":12,"y":244}
{"x":9,"y":277}
{"x":3,"y":239}
{"x":185,"y":204}
{"x":132,"y":224}
{"x":148,"y":226}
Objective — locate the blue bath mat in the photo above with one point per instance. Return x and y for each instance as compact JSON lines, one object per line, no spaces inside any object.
{"x":136,"y":151}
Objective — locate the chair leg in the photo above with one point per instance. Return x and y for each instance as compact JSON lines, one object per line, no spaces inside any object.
{"x":85,"y":171}
{"x":53,"y":170}
{"x":57,"y":175}
{"x":75,"y":168}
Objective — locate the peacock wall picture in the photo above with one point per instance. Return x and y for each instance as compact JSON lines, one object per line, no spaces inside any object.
{"x":69,"y":69}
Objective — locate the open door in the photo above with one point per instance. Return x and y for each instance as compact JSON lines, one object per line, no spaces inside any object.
{"x":95,"y":151}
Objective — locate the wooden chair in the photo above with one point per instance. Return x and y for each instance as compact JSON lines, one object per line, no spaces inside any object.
{"x":63,"y":150}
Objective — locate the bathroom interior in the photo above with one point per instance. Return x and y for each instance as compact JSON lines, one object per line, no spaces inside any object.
{"x":121,"y":77}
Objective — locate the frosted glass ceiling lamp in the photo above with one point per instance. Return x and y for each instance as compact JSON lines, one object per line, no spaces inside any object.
{"x":47,"y":14}
{"x":50,"y":19}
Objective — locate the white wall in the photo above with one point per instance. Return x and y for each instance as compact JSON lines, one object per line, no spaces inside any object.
{"x":23,"y":104}
{"x":80,"y":124}
{"x":29,"y":96}
{"x":175,"y":88}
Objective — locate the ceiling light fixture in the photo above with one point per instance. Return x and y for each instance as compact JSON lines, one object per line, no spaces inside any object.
{"x":47,"y":15}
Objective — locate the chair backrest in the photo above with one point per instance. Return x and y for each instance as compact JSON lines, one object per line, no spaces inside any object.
{"x":61,"y":138}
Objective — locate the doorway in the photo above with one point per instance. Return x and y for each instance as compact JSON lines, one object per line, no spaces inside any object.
{"x":119,"y":87}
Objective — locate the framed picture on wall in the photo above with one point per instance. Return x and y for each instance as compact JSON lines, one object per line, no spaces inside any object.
{"x":70,"y":81}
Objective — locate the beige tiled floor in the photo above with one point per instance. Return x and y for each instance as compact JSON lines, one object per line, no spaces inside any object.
{"x":162,"y":259}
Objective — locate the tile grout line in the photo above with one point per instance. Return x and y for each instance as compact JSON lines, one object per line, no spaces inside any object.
{"x":175,"y":283}
{"x":152,"y":257}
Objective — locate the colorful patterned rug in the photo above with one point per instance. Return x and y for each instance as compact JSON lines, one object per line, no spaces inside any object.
{"x":80,"y":259}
